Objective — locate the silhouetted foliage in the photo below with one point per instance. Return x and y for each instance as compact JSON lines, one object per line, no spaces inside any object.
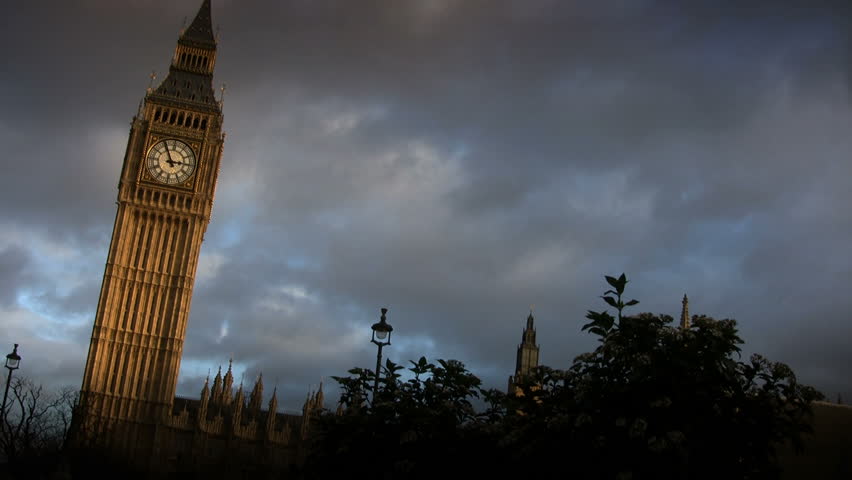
{"x":35,"y":425}
{"x":651,"y":401}
{"x":412,"y":428}
{"x":658,"y":401}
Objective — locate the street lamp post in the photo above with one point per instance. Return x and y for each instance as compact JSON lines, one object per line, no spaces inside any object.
{"x":381,"y":331}
{"x":13,"y":361}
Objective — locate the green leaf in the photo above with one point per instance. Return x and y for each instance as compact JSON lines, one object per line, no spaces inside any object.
{"x":622,"y":281}
{"x":612,"y":281}
{"x":611,"y":301}
{"x":597,"y":331}
{"x":631,"y":303}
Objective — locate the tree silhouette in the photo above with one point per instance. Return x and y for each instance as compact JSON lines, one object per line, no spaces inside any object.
{"x":652,"y":401}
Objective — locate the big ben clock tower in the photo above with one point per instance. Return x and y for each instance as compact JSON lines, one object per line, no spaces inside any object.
{"x":165,"y":196}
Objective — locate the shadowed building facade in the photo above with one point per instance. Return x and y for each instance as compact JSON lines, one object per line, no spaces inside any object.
{"x":165,"y":198}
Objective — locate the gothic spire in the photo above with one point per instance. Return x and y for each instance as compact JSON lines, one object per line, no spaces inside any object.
{"x":239,"y":398}
{"x":528,"y":337}
{"x":684,"y":313}
{"x":200,"y":31}
{"x":273,"y":402}
{"x":256,"y":398}
{"x":205,"y":398}
{"x":205,"y":391}
{"x":190,"y":77}
{"x":271,"y":413}
{"x":216,"y":393}
{"x":527,"y":357}
{"x":320,"y":397}
{"x":228,"y":384}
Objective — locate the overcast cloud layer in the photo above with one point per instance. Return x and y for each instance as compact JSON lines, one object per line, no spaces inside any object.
{"x":454,"y":161}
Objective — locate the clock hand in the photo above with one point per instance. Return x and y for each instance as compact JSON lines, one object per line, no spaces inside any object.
{"x":171,"y":162}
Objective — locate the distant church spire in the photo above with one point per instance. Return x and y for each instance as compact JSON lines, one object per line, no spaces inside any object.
{"x":527,"y":357}
{"x":216,"y":392}
{"x":256,"y":397}
{"x":228,"y":384}
{"x":684,"y":313}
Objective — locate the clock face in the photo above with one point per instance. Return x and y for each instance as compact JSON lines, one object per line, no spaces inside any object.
{"x":170,"y":161}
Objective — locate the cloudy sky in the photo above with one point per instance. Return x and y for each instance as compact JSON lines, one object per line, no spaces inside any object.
{"x":454,"y":161}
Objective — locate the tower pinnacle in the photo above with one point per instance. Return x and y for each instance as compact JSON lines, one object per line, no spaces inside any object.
{"x":527,"y":358}
{"x":200,"y":31}
{"x":684,"y":313}
{"x":190,"y":77}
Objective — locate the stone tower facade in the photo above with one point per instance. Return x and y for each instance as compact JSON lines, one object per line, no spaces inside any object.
{"x":527,"y":358}
{"x":165,"y":198}
{"x":684,"y":312}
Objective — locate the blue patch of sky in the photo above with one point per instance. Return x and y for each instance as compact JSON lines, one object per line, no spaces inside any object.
{"x":62,"y":275}
{"x":201,"y":367}
{"x":228,"y":234}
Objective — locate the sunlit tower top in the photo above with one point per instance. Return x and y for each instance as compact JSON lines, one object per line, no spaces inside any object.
{"x":527,"y":357}
{"x":684,"y":313}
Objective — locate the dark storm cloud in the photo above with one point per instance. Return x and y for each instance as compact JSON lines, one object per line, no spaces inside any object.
{"x":456,"y":161}
{"x":14,"y":272}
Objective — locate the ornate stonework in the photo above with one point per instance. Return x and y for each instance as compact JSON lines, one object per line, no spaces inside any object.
{"x":128,"y":407}
{"x":137,"y":340}
{"x":527,"y":357}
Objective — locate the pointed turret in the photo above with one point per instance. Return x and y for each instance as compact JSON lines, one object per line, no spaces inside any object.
{"x":256,"y":398}
{"x":319,"y":398}
{"x":527,"y":357}
{"x":216,"y":393}
{"x":205,"y":398}
{"x":200,"y":31}
{"x":239,"y":402}
{"x":273,"y":401}
{"x":684,"y":313}
{"x":528,"y":336}
{"x":190,"y":77}
{"x":271,"y":413}
{"x":228,"y":384}
{"x":307,"y":412}
{"x":306,"y":407}
{"x":240,"y":397}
